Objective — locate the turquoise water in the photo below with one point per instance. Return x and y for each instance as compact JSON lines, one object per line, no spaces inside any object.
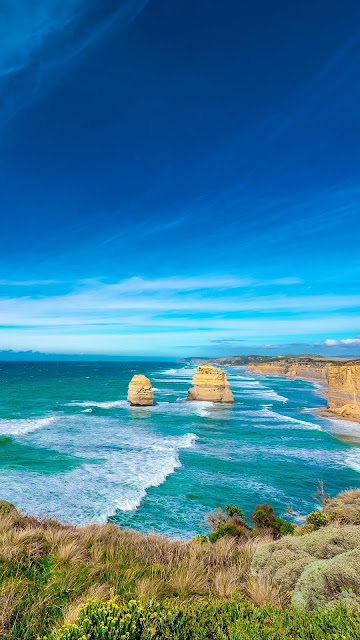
{"x":71,"y":447}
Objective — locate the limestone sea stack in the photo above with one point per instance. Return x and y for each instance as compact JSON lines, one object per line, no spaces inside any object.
{"x":140,"y":392}
{"x":210,"y":383}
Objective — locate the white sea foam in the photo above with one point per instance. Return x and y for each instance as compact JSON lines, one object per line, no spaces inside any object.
{"x":185,"y":372}
{"x":270,"y":418}
{"x":263,"y":394}
{"x":117,"y":463}
{"x":352,"y":459}
{"x":19,"y":426}
{"x":245,"y":384}
{"x":113,"y":404}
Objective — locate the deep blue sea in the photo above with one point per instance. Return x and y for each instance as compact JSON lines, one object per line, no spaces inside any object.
{"x":72,"y":447}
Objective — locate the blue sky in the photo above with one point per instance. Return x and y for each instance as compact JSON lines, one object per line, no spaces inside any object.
{"x":180,"y":178}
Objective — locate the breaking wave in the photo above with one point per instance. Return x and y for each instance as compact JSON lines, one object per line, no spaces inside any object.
{"x":18,"y":426}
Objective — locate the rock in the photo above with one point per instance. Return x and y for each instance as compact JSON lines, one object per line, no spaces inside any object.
{"x":344,"y":390}
{"x":210,"y":383}
{"x":140,"y":392}
{"x":303,"y":368}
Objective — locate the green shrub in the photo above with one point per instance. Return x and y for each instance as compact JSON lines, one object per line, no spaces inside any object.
{"x":282,"y":562}
{"x":201,"y":538}
{"x":232,"y":510}
{"x":345,"y":507}
{"x":317,"y":519}
{"x":230,"y":522}
{"x":286,"y":528}
{"x":227,"y":529}
{"x":264,"y":517}
{"x":327,"y":582}
{"x":6,"y":507}
{"x":328,"y":542}
{"x":227,"y":620}
{"x":320,"y":569}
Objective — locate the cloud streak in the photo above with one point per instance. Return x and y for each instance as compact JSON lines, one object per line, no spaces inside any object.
{"x":221,"y":310}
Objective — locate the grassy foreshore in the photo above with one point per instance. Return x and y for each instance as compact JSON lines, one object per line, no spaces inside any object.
{"x":239,"y":583}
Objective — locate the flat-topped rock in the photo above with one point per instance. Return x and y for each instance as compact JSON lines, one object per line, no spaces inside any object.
{"x":210,"y":383}
{"x":140,"y":392}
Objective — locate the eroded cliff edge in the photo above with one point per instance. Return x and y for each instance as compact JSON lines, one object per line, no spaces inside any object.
{"x":341,"y":378}
{"x":305,"y":369}
{"x":344,"y":390}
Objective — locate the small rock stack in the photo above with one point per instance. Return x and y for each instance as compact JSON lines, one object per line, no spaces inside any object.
{"x":210,"y":383}
{"x":140,"y":392}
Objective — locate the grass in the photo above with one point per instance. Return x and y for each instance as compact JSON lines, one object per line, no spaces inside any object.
{"x":57,"y":582}
{"x":48,"y":570}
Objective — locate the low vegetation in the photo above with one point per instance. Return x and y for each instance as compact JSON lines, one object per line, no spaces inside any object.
{"x":228,"y":620}
{"x":241,"y":581}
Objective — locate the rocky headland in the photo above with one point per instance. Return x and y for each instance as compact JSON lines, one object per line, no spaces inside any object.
{"x":210,"y":383}
{"x":303,"y":368}
{"x":342,"y":379}
{"x":140,"y":392}
{"x":344,"y":390}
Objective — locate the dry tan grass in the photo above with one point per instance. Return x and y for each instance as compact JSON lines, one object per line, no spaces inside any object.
{"x":72,"y":551}
{"x":261,"y":590}
{"x":151,"y":589}
{"x":95,"y":592}
{"x":12,"y":592}
{"x":226,"y":581}
{"x":70,"y":564}
{"x":189,"y":580}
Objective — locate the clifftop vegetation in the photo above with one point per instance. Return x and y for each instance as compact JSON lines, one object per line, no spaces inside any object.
{"x":244,"y":580}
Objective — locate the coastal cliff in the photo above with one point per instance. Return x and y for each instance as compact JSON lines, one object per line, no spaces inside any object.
{"x":306,"y":369}
{"x":344,"y":390}
{"x":343,"y":379}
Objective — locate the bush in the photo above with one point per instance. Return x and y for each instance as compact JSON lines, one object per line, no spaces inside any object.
{"x":6,"y":507}
{"x":228,"y":620}
{"x":264,"y":517}
{"x":320,"y":569}
{"x":326,"y":582}
{"x":232,"y":510}
{"x":200,"y":539}
{"x":227,"y":529}
{"x":328,"y":542}
{"x":281,"y":561}
{"x":230,"y":522}
{"x":345,"y":507}
{"x":317,"y":519}
{"x":286,"y":528}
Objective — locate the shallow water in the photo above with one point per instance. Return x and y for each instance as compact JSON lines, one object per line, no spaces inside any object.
{"x":72,"y":447}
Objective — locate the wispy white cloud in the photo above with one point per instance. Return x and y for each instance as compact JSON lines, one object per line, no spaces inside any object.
{"x":217,"y":309}
{"x":344,"y":341}
{"x":137,"y":284}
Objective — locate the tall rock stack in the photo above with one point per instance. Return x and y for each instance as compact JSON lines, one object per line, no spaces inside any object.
{"x":210,"y":383}
{"x":140,"y":392}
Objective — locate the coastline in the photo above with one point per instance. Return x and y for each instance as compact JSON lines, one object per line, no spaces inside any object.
{"x":339,"y":382}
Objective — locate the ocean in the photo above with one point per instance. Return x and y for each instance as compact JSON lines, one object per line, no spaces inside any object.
{"x":71,"y":447}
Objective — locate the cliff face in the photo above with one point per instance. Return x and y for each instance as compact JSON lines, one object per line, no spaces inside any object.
{"x":343,"y":380}
{"x":210,"y":383}
{"x":293,"y":368}
{"x":344,"y":390}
